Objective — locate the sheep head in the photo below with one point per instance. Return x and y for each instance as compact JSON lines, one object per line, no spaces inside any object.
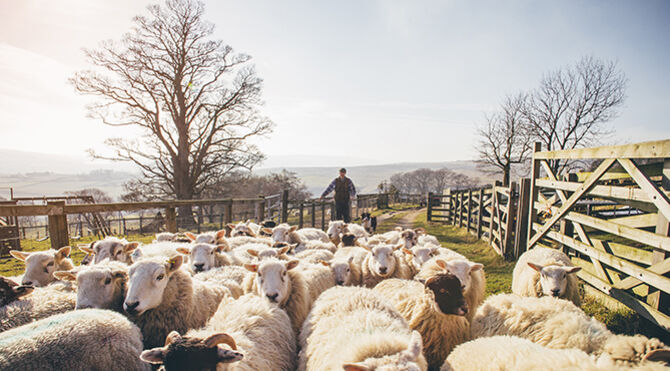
{"x":553,"y":278}
{"x":147,"y":280}
{"x":192,"y":353}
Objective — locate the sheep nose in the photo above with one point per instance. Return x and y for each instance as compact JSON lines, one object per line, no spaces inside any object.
{"x":27,"y":283}
{"x":555,"y":292}
{"x":382,"y":270}
{"x":199,"y":267}
{"x":273,"y":297}
{"x":340,"y":282}
{"x":130,"y":307}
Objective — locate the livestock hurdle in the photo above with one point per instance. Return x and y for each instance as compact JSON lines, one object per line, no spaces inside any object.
{"x":624,"y":252}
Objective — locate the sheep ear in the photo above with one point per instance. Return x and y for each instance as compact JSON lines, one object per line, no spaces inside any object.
{"x":537,"y":267}
{"x":190,"y":236}
{"x":658,"y":355}
{"x":119,"y":274}
{"x":231,"y":225}
{"x":475,"y":267}
{"x":63,"y":253}
{"x":154,"y":356}
{"x":355,"y":367}
{"x":172,"y":337}
{"x":419,"y":230}
{"x":398,"y":246}
{"x":398,"y":229}
{"x":351,"y":259}
{"x":441,"y":263}
{"x":136,"y":255}
{"x":366,"y":247}
{"x":174,"y":263}
{"x":293,"y":228}
{"x":130,"y":247}
{"x":227,"y":355}
{"x":220,"y":338}
{"x":220,"y":234}
{"x":324,"y":263}
{"x":251,"y":267}
{"x":252,"y":252}
{"x":183,"y":250}
{"x":283,"y":250}
{"x":414,"y":348}
{"x":266,"y":230}
{"x":66,"y":275}
{"x":573,"y":270}
{"x":407,"y":251}
{"x":87,"y":249}
{"x":292,"y":264}
{"x":221,"y":248}
{"x":22,"y":290}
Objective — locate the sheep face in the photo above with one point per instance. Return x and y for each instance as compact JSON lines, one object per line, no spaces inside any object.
{"x":10,"y":291}
{"x":202,"y":256}
{"x":335,"y":228}
{"x":553,"y":278}
{"x":403,"y":361}
{"x":409,"y":237}
{"x":98,"y":286}
{"x":164,"y":237}
{"x":462,"y":269}
{"x":265,"y":253}
{"x":281,"y":232}
{"x":341,"y":270}
{"x":421,"y":254}
{"x":272,"y":279}
{"x":147,"y":280}
{"x":112,"y":249}
{"x":242,"y":229}
{"x":382,"y":262}
{"x":41,"y":265}
{"x":446,"y":289}
{"x":191,"y":353}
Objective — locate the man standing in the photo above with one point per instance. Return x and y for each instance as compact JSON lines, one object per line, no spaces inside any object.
{"x":344,"y":194}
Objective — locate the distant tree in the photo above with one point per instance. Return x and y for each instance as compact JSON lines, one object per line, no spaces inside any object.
{"x":195,"y":100}
{"x":441,"y":179}
{"x":505,"y":140}
{"x":426,"y":180}
{"x":572,"y":105}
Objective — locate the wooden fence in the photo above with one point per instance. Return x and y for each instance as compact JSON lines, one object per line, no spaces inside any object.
{"x":624,"y":253}
{"x":612,"y":221}
{"x":491,"y":212}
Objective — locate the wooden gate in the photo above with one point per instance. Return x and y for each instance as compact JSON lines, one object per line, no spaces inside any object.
{"x":623,"y":246}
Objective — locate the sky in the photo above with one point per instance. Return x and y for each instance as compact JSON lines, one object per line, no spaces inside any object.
{"x":349,"y":82}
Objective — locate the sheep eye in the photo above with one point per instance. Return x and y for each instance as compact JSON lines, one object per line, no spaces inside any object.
{"x":212,"y":252}
{"x":348,"y":269}
{"x":443,"y":291}
{"x":462,"y":287}
{"x":160,"y":277}
{"x":108,"y":281}
{"x":50,"y":264}
{"x":46,"y":269}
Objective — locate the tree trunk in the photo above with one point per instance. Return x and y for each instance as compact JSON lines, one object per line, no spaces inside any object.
{"x":506,"y":171}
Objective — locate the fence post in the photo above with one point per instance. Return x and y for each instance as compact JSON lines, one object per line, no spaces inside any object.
{"x":521,"y":216}
{"x":469,"y":208}
{"x":659,"y":299}
{"x":358,"y":206}
{"x":494,"y":200}
{"x":260,"y":210}
{"x":228,"y":212}
{"x":141,"y":224}
{"x":171,"y":219}
{"x":534,"y":174}
{"x":509,"y":223}
{"x":57,"y":219}
{"x":429,"y":212}
{"x":284,"y":207}
{"x":323,"y":215}
{"x":460,"y":208}
{"x":565,"y":226}
{"x":453,"y":198}
{"x":447,"y":209}
{"x":301,"y":215}
{"x":313,"y":214}
{"x":480,"y":212}
{"x":199,"y":216}
{"x":333,"y":212}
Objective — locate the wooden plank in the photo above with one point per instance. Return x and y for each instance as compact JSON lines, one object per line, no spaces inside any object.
{"x":628,"y":252}
{"x":58,"y":231}
{"x":637,"y":221}
{"x":661,"y":267}
{"x":658,"y":299}
{"x":654,"y":149}
{"x":469,"y":209}
{"x":660,"y":199}
{"x":649,"y":277}
{"x":523,"y":204}
{"x":480,"y":213}
{"x":610,"y":192}
{"x":171,"y":219}
{"x":583,"y":189}
{"x":534,"y":189}
{"x":638,"y":306}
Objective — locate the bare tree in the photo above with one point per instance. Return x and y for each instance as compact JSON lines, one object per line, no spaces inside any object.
{"x":572,"y":105}
{"x":196,"y":101}
{"x":505,"y":140}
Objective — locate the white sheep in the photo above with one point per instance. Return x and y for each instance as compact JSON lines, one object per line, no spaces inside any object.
{"x":382,"y":262}
{"x":237,"y":242}
{"x":318,"y":278}
{"x":357,"y":230}
{"x":158,"y":249}
{"x":425,"y":239}
{"x":278,"y":282}
{"x":345,"y":272}
{"x":556,"y":323}
{"x":315,"y":245}
{"x":544,"y":271}
{"x":100,"y":286}
{"x":514,"y":353}
{"x":335,"y":230}
{"x":111,"y":248}
{"x":41,"y":303}
{"x":247,"y":334}
{"x":470,"y":274}
{"x":314,"y":256}
{"x":248,"y":228}
{"x":89,"y":339}
{"x":41,"y":265}
{"x":205,"y":256}
{"x":227,"y":276}
{"x":261,"y":252}
{"x":354,"y":329}
{"x":435,"y":309}
{"x":161,"y":298}
{"x":212,"y":238}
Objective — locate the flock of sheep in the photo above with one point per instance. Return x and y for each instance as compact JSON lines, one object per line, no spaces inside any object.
{"x":273,"y":297}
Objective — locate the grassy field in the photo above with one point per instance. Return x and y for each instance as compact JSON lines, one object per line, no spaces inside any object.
{"x":499,"y":276}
